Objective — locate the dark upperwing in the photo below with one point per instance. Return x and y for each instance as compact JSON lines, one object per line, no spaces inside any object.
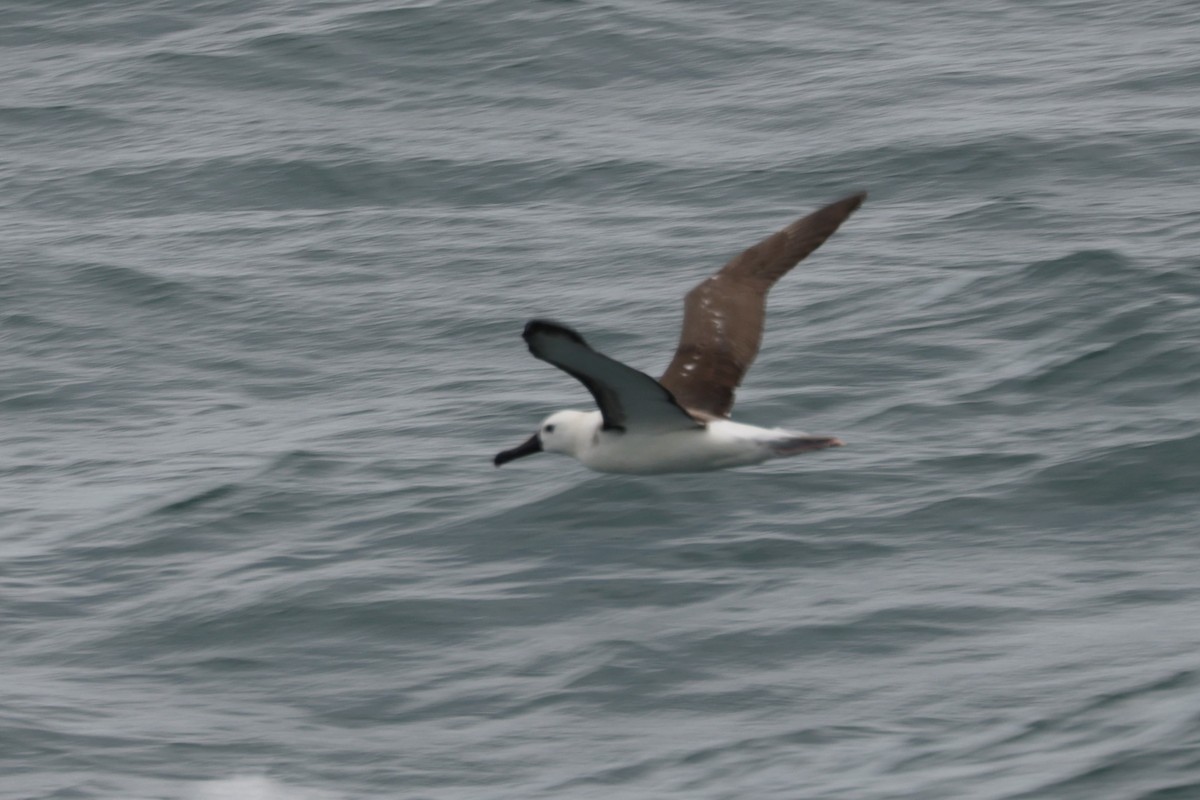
{"x":628,"y":399}
{"x":723,"y":316}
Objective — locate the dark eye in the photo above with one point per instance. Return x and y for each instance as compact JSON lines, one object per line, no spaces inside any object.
{"x":548,"y":429}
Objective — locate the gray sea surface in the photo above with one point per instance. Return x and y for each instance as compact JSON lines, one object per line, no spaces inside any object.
{"x":264,"y":272}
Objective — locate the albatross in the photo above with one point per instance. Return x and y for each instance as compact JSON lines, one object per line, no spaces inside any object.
{"x":680,"y":422}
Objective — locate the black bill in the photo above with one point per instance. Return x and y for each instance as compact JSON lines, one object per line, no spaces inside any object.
{"x":526,"y":448}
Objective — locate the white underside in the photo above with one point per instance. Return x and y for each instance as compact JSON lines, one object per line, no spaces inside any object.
{"x":718,"y":445}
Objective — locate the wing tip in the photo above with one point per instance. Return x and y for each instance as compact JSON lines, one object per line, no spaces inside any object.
{"x":536,"y":329}
{"x":853,"y":201}
{"x":548,"y":326}
{"x":819,"y":225}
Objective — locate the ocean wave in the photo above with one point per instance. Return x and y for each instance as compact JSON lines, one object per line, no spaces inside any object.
{"x":1125,"y":473}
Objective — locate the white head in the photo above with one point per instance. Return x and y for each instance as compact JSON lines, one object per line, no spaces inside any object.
{"x":561,"y":432}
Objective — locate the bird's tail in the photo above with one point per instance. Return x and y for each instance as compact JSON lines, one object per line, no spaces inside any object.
{"x":794,"y":445}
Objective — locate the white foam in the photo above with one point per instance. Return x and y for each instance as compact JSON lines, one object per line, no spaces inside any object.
{"x":254,"y":787}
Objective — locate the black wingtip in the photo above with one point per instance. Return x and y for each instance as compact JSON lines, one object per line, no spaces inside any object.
{"x":537,"y":327}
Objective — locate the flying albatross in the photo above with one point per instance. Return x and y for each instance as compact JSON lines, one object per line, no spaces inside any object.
{"x":680,"y":422}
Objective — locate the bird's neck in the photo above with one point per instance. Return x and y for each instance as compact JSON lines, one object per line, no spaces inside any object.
{"x":585,"y":427}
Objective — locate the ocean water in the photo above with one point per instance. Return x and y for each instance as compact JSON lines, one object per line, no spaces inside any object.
{"x":265,"y":268}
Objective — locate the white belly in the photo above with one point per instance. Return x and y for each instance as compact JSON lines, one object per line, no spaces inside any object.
{"x":719,"y":445}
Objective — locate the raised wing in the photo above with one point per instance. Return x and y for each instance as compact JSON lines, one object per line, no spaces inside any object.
{"x":723,"y":316}
{"x":628,"y":399}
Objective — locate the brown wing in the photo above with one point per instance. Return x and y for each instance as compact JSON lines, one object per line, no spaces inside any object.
{"x":723,"y":316}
